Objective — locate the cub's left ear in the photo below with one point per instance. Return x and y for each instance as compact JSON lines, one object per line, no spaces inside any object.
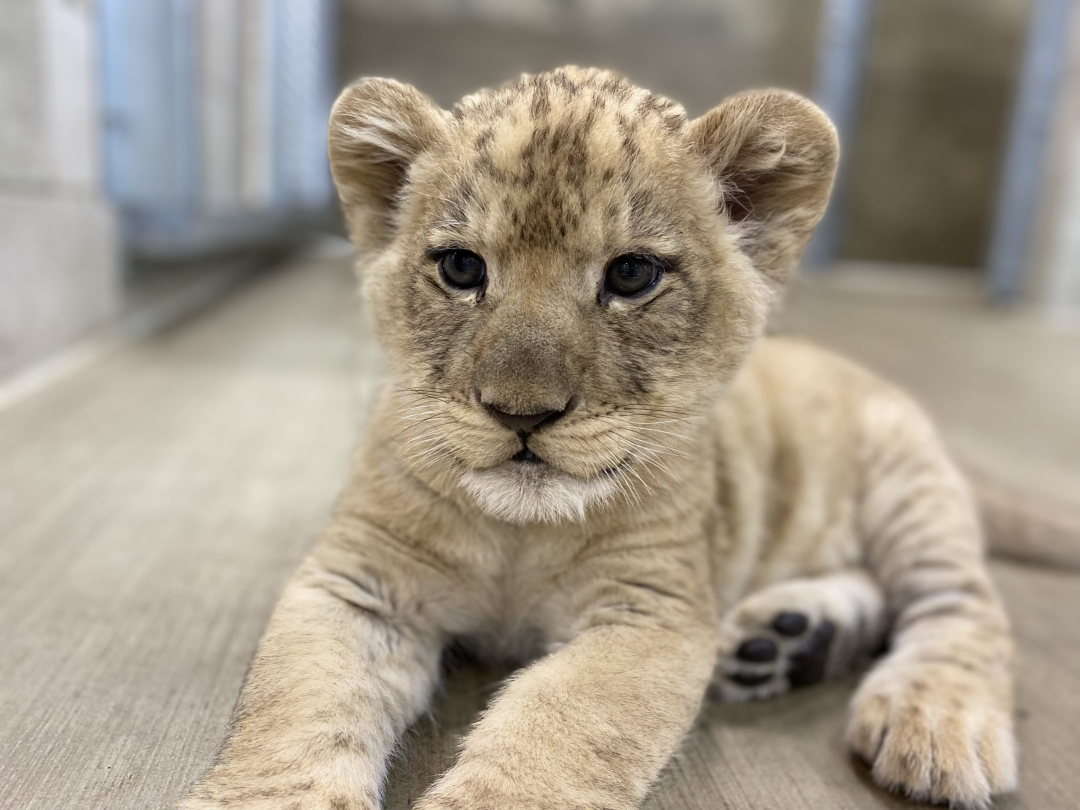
{"x":378,"y":128}
{"x":773,"y":157}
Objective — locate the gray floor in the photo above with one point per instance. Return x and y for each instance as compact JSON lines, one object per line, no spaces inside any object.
{"x":152,"y":506}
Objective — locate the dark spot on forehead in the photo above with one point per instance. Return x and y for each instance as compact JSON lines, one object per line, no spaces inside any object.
{"x":536,"y":141}
{"x":546,"y":184}
{"x":557,"y":137}
{"x":628,"y":132}
{"x":484,"y":165}
{"x":648,"y":104}
{"x":566,"y":83}
{"x":616,"y":87}
{"x":541,"y":103}
{"x":586,"y":126}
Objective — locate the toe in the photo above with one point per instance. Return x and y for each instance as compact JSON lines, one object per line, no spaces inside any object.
{"x":957,"y":774}
{"x":751,"y":678}
{"x":757,"y":650}
{"x":790,"y":623}
{"x":867,"y":726}
{"x":906,"y":756}
{"x":808,"y":666}
{"x":997,"y":752}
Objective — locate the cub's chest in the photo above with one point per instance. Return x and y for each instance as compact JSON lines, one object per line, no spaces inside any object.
{"x":526,"y":597}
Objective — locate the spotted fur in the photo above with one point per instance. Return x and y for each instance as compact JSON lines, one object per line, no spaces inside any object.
{"x":697,"y":481}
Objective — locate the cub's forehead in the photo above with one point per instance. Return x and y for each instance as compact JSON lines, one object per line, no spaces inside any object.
{"x":589,"y":102}
{"x":569,"y":156}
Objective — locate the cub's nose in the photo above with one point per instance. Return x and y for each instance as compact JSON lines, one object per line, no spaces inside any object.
{"x":525,"y":422}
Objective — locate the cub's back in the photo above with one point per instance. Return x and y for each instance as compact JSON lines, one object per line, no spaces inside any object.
{"x":794,"y":432}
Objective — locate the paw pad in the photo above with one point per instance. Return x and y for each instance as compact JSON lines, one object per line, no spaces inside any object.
{"x":789,"y":623}
{"x":807,"y":665}
{"x":750,"y":678}
{"x":787,"y":653}
{"x":757,"y":650}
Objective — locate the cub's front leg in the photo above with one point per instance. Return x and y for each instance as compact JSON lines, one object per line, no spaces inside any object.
{"x":343,"y":669}
{"x":591,"y":725}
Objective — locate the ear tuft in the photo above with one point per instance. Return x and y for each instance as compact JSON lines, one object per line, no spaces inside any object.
{"x":772,"y":155}
{"x":378,"y":127}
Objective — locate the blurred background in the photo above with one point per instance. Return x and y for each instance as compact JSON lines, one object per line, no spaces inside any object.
{"x":184,"y":366}
{"x":157,"y":154}
{"x":159,"y":135}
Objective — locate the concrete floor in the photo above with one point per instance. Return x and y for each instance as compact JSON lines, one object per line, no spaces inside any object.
{"x":152,"y":505}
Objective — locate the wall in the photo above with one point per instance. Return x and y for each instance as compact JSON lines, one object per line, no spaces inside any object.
{"x":59,"y":273}
{"x":216,"y":111}
{"x":937,"y":92}
{"x":696,"y":51}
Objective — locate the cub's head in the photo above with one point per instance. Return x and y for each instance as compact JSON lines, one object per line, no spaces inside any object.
{"x":566,"y":272}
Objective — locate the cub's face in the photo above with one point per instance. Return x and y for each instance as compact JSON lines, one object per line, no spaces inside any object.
{"x":566,"y":272}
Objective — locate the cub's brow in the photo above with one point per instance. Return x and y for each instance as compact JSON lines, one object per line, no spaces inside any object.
{"x":433,"y":250}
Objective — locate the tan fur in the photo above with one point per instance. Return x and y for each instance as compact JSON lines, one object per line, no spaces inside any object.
{"x":691,"y":492}
{"x":1024,"y":527}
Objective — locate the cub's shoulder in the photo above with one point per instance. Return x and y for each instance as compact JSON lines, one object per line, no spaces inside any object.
{"x":793,"y":382}
{"x":800,"y":387}
{"x":794,"y":364}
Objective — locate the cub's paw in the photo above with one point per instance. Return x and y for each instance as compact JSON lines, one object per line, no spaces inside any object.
{"x":790,"y":652}
{"x":796,"y":634}
{"x":322,"y":802}
{"x":936,"y":733}
{"x":260,"y":795}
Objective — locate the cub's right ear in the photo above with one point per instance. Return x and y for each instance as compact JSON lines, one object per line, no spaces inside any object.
{"x":773,"y":157}
{"x":378,"y":127}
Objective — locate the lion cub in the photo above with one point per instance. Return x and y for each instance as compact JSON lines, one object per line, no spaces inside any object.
{"x":586,"y":458}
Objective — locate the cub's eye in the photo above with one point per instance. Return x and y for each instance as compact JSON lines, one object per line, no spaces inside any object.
{"x":632,"y":274}
{"x":462,"y":269}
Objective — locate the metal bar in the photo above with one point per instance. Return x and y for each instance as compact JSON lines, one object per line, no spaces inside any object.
{"x":843,"y":43}
{"x":1022,"y":174}
{"x":184,"y":87}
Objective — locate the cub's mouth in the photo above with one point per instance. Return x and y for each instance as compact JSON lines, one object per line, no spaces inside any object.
{"x":528,"y":488}
{"x":526,"y":456}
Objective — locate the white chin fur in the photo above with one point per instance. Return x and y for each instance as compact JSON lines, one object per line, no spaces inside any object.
{"x":526,"y":493}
